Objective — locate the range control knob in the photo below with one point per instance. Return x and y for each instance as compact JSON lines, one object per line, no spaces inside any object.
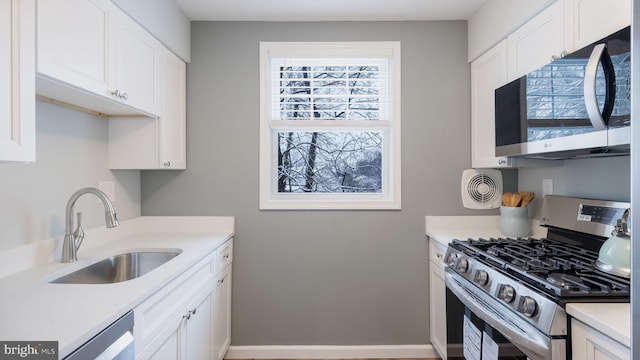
{"x":507,"y":293}
{"x":450,"y":259}
{"x":528,"y":306}
{"x":462,"y":265}
{"x":482,"y":277}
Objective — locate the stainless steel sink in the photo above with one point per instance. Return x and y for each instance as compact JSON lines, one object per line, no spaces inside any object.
{"x":117,"y":268}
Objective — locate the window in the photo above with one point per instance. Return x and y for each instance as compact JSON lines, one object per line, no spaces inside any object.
{"x":330,"y":125}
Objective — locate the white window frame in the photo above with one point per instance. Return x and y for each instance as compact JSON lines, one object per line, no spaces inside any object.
{"x":390,"y":197}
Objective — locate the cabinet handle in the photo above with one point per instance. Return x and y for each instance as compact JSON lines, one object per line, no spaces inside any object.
{"x":563,"y":53}
{"x":118,"y":94}
{"x":502,"y":162}
{"x":439,"y":256}
{"x":189,"y":313}
{"x":226,"y":256}
{"x":167,"y":164}
{"x":220,"y":281}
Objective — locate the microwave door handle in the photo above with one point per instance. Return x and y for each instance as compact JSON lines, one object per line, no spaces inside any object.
{"x":610,"y":79}
{"x":590,"y":99}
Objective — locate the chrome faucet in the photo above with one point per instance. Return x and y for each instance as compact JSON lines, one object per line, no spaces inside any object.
{"x":73,"y":238}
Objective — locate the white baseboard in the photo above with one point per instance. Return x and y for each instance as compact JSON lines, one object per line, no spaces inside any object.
{"x":331,"y":352}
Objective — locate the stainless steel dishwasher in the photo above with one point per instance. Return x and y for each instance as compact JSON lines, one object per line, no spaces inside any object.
{"x":114,"y":342}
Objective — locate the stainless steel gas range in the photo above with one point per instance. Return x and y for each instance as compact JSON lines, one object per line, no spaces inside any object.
{"x":506,"y":296}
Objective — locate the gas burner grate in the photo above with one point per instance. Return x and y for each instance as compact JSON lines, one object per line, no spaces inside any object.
{"x":537,"y":261}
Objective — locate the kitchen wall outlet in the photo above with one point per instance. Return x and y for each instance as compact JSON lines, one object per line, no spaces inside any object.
{"x":547,"y":187}
{"x":109,"y":188}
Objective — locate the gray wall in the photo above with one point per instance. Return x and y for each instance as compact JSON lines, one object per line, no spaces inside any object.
{"x":598,"y":178}
{"x":71,"y":152}
{"x":322,"y":277}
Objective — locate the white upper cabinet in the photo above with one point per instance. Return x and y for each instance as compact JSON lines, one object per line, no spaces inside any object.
{"x":172,"y":136}
{"x":594,"y":19}
{"x":73,"y":42}
{"x":488,"y":72}
{"x":137,"y":70}
{"x":539,"y":40}
{"x":17,"y":83}
{"x":154,"y":143}
{"x":563,"y":27}
{"x":92,"y":55}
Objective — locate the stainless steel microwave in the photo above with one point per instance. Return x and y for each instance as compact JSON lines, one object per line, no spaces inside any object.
{"x":576,"y":106}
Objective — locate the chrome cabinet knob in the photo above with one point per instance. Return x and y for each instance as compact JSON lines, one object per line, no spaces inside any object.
{"x":528,"y":306}
{"x":482,"y":277}
{"x":119,"y":94}
{"x":507,"y":293}
{"x":189,"y":313}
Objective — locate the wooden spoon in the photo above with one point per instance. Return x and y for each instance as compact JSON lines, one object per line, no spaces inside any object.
{"x":527,"y":197}
{"x":511,"y":199}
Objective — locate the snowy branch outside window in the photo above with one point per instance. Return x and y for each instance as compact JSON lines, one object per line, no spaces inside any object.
{"x":330,"y":125}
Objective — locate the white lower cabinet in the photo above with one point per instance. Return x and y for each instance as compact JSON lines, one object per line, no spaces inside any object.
{"x":182,"y":320}
{"x":222,"y":316}
{"x":437,"y":298}
{"x":588,"y":343}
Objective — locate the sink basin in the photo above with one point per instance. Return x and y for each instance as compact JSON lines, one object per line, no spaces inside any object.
{"x":118,"y":268}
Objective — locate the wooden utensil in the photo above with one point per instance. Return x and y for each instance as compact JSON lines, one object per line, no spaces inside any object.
{"x":511,"y":199}
{"x":527,"y":197}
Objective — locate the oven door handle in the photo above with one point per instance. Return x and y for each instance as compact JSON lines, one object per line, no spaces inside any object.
{"x":519,"y":332}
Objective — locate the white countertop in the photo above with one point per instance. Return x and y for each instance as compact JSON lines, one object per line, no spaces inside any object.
{"x":32,"y":309}
{"x":613,"y":320}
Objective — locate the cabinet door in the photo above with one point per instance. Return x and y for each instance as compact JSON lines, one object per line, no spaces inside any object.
{"x":172,"y":121}
{"x":137,"y":67}
{"x":594,"y":19}
{"x":170,"y":349}
{"x":590,"y":344}
{"x":488,"y":72}
{"x":17,"y":80}
{"x":222,"y":315}
{"x":73,"y":43}
{"x":437,"y":299}
{"x":536,"y":42}
{"x":199,"y":330}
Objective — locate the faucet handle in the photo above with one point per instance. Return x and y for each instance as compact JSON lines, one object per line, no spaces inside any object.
{"x":78,"y":234}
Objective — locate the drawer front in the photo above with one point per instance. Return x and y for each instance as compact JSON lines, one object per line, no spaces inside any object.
{"x":437,"y":251}
{"x":170,"y":302}
{"x":224,"y":255}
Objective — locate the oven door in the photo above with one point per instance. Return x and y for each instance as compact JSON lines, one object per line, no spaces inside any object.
{"x":480,"y":327}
